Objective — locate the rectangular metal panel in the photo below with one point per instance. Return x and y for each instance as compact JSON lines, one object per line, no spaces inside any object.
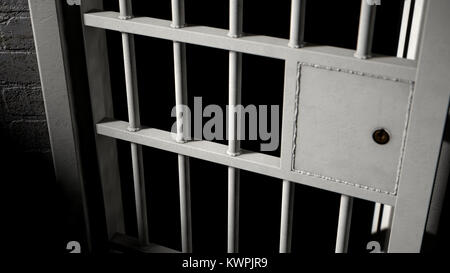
{"x":337,"y":111}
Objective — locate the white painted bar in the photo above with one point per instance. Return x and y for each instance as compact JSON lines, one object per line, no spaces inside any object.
{"x":287,"y":212}
{"x":296,"y":40}
{"x":234,"y":81}
{"x":179,"y":54}
{"x":234,"y":99}
{"x":129,"y":59}
{"x":382,"y":214}
{"x":236,"y":14}
{"x":178,"y":16}
{"x":97,"y":70}
{"x":139,"y":192}
{"x":297,"y":30}
{"x":426,"y":129}
{"x":233,"y":210}
{"x":416,"y":30}
{"x":254,"y":44}
{"x":217,"y":153}
{"x":366,"y":28}
{"x":404,"y":29}
{"x":185,"y":203}
{"x":376,"y":218}
{"x":345,"y":219}
{"x":411,"y":53}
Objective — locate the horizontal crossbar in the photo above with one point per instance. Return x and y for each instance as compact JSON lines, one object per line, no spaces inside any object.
{"x":217,"y":153}
{"x":254,"y":44}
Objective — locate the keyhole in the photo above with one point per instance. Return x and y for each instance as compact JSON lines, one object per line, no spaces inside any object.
{"x":380,"y":136}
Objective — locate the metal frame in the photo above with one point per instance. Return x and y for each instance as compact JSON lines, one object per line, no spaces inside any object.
{"x":423,"y":143}
{"x":63,"y":131}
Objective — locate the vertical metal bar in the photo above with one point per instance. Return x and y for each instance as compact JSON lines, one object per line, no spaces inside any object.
{"x":376,"y":218}
{"x":416,"y":30}
{"x":97,"y":68}
{"x":440,"y":183}
{"x":235,"y":78}
{"x":386,"y":212}
{"x":296,"y":40}
{"x":234,"y":100}
{"x":345,"y":218}
{"x":134,"y":123}
{"x":236,"y":13}
{"x":427,"y":120}
{"x":403,"y":37}
{"x":382,"y":213}
{"x":185,"y":203}
{"x":366,"y":28}
{"x":233,"y":210}
{"x":179,"y":54}
{"x":297,"y":33}
{"x":178,"y":17}
{"x":287,"y":212}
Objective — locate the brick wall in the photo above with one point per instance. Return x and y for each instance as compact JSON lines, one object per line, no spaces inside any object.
{"x":26,"y":168}
{"x":22,"y":114}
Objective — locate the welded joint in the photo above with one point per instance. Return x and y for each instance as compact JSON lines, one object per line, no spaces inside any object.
{"x":231,"y":35}
{"x":230,"y":153}
{"x":296,"y":45}
{"x":362,"y":57}
{"x":172,"y":25}
{"x":133,"y":129}
{"x":121,"y":17}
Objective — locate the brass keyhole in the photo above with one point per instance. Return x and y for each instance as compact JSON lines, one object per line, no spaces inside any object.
{"x":380,"y":136}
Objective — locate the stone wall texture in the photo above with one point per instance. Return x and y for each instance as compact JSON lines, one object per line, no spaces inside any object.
{"x":22,"y":113}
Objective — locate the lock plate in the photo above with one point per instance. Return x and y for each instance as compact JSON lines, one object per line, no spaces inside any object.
{"x":336,"y":113}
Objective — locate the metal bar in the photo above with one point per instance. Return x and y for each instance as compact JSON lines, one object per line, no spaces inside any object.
{"x":416,"y":29}
{"x":412,"y":54}
{"x":97,"y":69}
{"x":426,"y":129}
{"x":253,"y":44}
{"x":236,"y":13}
{"x":185,"y":203}
{"x":345,"y":218}
{"x":287,"y":200}
{"x":287,"y":212}
{"x":297,"y":31}
{"x":234,"y":100}
{"x":404,"y":29}
{"x":233,"y":210}
{"x":440,"y":184}
{"x":57,"y":91}
{"x":179,"y":54}
{"x":139,"y":192}
{"x":382,"y":214}
{"x":129,"y":59}
{"x":366,"y":28}
{"x":178,"y":16}
{"x":235,"y":80}
{"x":217,"y":153}
{"x":376,"y":218}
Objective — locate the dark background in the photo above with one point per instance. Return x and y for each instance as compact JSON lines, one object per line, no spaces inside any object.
{"x":316,"y":211}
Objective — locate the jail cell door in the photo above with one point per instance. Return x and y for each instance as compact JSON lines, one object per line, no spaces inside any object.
{"x":362,"y":126}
